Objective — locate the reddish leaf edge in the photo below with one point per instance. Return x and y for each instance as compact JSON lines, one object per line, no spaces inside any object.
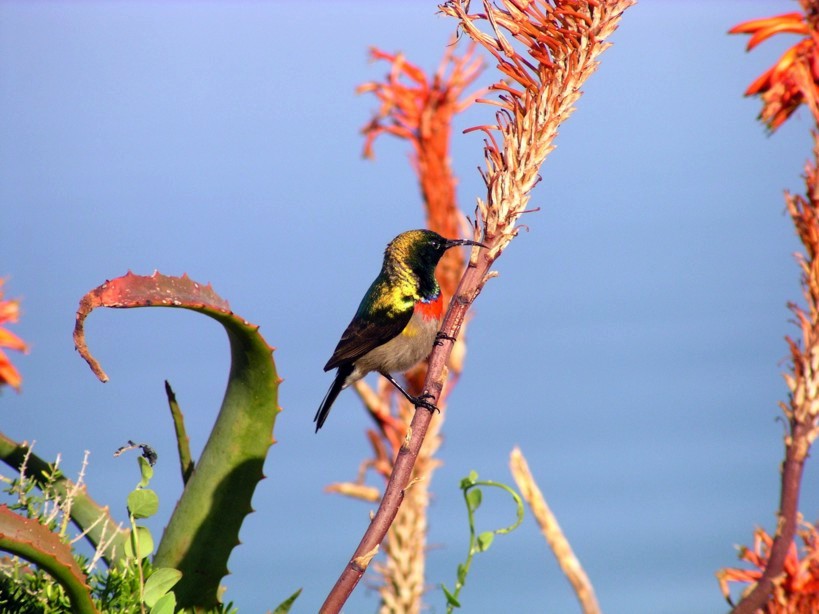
{"x":31,"y":540}
{"x":156,"y":290}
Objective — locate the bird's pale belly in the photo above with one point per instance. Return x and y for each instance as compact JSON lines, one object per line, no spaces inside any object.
{"x":401,"y":353}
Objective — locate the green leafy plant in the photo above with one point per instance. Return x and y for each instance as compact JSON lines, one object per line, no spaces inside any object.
{"x":34,"y":529}
{"x":155,"y":586}
{"x":478,"y":542}
{"x":185,"y":572}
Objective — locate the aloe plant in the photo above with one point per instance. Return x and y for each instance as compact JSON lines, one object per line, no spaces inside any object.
{"x":92,"y":519}
{"x":204,"y":526}
{"x":33,"y":541}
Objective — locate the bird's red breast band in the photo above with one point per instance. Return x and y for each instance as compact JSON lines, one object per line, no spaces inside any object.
{"x":430,"y":310}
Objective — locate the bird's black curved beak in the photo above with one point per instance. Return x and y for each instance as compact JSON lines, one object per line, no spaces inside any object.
{"x":456,"y":242}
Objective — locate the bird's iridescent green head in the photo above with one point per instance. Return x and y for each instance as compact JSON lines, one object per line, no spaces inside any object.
{"x":420,"y":250}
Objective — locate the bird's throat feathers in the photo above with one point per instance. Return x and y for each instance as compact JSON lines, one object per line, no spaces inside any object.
{"x":432,"y":309}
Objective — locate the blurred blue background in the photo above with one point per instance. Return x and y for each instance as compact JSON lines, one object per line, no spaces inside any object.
{"x":632,"y":345}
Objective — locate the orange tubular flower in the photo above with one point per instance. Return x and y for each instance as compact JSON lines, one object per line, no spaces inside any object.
{"x":762,"y":29}
{"x":793,"y":80}
{"x":797,"y":590}
{"x":9,"y":312}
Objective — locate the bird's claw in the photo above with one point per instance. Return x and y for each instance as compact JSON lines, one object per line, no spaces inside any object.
{"x":420,"y":401}
{"x":441,"y":337}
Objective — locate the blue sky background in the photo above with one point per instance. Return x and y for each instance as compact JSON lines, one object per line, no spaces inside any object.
{"x":632,"y":345}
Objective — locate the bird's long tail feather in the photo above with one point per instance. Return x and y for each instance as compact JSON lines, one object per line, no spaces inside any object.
{"x":332,"y":393}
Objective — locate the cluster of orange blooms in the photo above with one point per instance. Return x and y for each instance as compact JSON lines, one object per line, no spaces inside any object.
{"x":9,"y":313}
{"x":797,"y":589}
{"x":792,"y":81}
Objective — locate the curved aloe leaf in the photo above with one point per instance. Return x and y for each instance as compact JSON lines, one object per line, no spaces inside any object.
{"x":204,"y":527}
{"x":29,"y":539}
{"x":183,"y":443}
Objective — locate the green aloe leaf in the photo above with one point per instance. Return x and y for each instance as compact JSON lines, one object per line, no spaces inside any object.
{"x":29,"y":539}
{"x":284,"y":606}
{"x":204,"y":527}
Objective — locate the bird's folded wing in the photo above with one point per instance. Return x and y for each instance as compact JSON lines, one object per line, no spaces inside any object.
{"x":363,"y":335}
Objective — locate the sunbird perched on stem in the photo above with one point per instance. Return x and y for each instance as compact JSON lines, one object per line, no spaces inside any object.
{"x":398,"y":319}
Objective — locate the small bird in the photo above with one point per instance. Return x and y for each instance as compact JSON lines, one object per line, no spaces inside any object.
{"x":398,"y":319}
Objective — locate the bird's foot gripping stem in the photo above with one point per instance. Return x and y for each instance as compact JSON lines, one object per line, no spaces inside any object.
{"x":441,"y":337}
{"x":421,"y":401}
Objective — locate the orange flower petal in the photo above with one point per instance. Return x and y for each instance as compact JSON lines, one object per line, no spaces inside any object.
{"x":12,"y":341}
{"x":766,"y":33}
{"x":747,"y":27}
{"x":760,"y":84}
{"x":8,"y":373}
{"x":9,"y":311}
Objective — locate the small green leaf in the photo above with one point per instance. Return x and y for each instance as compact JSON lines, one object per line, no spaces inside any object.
{"x":159,"y":583}
{"x":469,"y":480}
{"x":165,"y":605}
{"x":284,"y":606}
{"x":485,"y":540}
{"x":450,"y":598}
{"x":143,"y":537}
{"x":474,"y":498}
{"x":462,"y":571}
{"x":143,"y":503}
{"x":146,"y":470}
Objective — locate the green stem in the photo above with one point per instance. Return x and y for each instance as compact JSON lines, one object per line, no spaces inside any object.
{"x":478,"y":542}
{"x":135,"y":544}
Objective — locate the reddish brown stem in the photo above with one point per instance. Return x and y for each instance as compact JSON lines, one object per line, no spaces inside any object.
{"x":469,"y":288}
{"x":795,"y":454}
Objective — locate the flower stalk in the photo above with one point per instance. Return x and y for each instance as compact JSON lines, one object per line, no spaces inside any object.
{"x":562,"y":39}
{"x":419,"y":109}
{"x":783,"y":88}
